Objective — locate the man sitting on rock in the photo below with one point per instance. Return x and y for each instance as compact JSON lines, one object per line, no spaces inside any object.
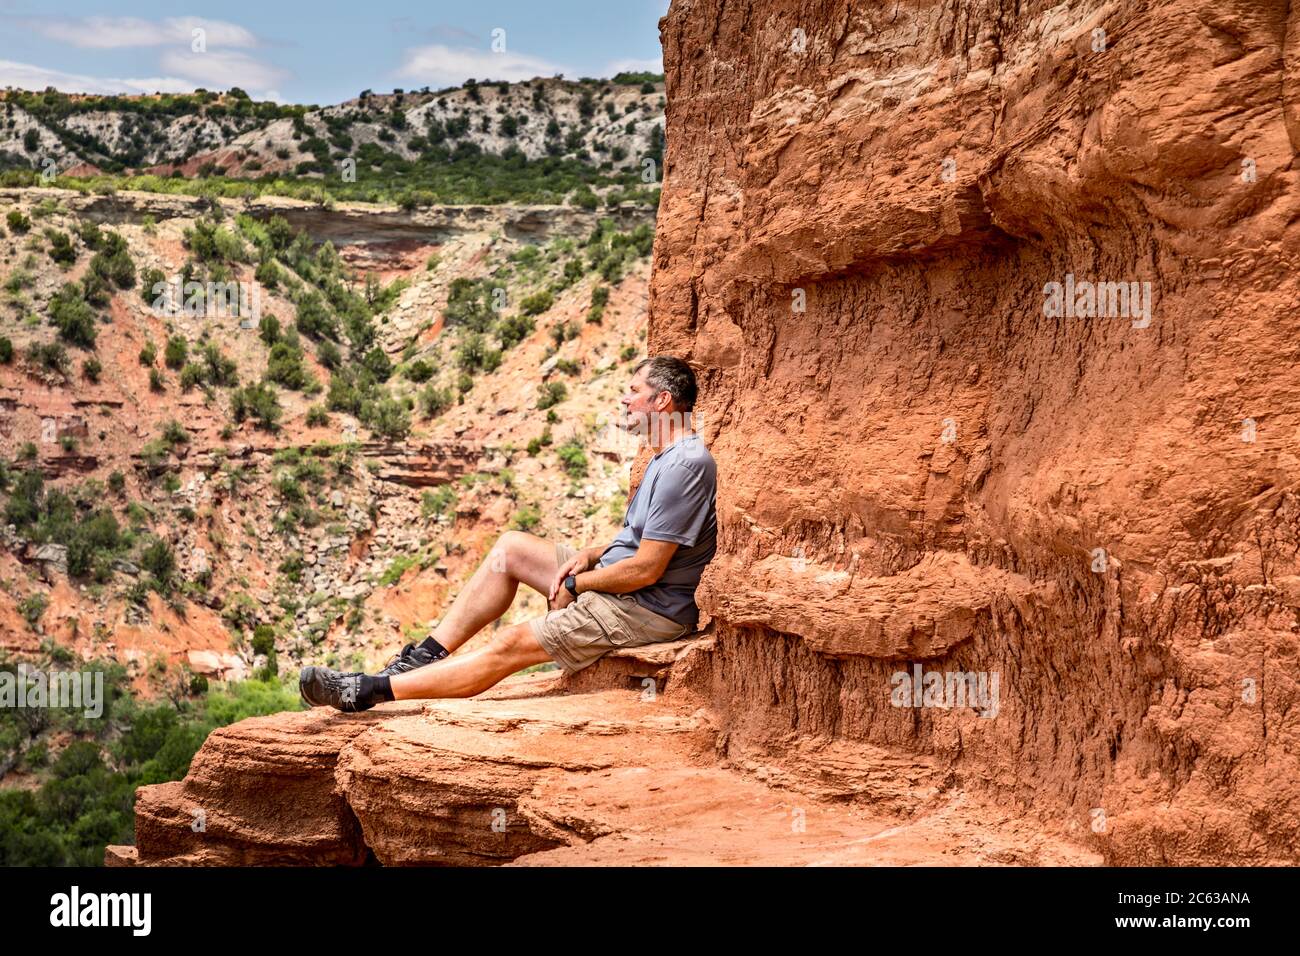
{"x":638,"y":590}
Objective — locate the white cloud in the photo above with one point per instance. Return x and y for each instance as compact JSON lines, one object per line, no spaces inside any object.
{"x":221,"y":70}
{"x":438,"y":65}
{"x":28,"y":77}
{"x":110,"y":33}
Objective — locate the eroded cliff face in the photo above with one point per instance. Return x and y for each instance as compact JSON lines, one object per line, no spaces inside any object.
{"x":920,"y":463}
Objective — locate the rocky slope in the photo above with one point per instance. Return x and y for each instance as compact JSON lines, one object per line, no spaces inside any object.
{"x":341,"y":541}
{"x":596,"y":121}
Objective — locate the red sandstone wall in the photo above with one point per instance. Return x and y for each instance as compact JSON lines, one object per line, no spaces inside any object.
{"x":920,"y":171}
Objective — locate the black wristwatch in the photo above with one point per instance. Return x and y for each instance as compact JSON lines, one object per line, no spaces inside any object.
{"x":571,"y":583}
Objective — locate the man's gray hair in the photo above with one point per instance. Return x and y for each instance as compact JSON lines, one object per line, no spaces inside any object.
{"x":667,"y":373}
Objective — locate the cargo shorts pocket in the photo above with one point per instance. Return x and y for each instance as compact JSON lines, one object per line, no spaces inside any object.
{"x":611,"y":620}
{"x":643,"y":626}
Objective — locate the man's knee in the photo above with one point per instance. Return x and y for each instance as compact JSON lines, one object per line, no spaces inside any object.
{"x":513,"y":539}
{"x":517,"y":644}
{"x":508,"y":549}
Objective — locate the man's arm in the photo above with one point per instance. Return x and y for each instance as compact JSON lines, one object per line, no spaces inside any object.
{"x":581,"y":561}
{"x":631,"y":574}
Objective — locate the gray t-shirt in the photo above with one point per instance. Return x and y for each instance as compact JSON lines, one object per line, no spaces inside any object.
{"x":674,"y":502}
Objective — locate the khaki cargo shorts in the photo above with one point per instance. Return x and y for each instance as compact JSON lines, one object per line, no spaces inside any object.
{"x":597,"y":623}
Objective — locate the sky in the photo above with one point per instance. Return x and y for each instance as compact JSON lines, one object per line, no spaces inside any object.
{"x":323,"y":52}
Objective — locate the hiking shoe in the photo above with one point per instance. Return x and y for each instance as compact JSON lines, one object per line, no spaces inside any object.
{"x":320,"y":687}
{"x":410,"y":657}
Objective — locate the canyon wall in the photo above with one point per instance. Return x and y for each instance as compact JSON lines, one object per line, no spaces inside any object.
{"x":922,"y":461}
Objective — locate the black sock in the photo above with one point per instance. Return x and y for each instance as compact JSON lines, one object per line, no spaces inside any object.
{"x":434,"y":648}
{"x":373,"y":690}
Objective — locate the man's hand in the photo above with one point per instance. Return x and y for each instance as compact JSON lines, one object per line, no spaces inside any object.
{"x":561,"y":600}
{"x":560,"y":596}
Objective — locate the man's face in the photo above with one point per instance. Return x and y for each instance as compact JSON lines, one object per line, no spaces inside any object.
{"x":640,"y":403}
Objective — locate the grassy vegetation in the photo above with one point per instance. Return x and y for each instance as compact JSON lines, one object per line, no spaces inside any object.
{"x":440,"y":176}
{"x":85,"y":800}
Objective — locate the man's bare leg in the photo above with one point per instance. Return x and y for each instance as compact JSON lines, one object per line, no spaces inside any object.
{"x":512,"y":649}
{"x":517,"y":556}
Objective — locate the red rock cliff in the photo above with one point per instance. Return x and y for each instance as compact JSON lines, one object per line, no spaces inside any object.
{"x":924,"y":465}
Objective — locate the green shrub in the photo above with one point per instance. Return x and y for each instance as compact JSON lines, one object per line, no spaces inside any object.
{"x":573,"y":458}
{"x":434,"y":401}
{"x":61,"y":250}
{"x":541,"y":441}
{"x":113,"y":262}
{"x":329,"y":355}
{"x":526,"y":518}
{"x":49,"y":355}
{"x":153,"y":284}
{"x":73,"y":318}
{"x":437,"y":502}
{"x":91,"y":369}
{"x":584,"y":198}
{"x":470,"y":305}
{"x":18,"y":280}
{"x":399,"y":567}
{"x":599,"y":297}
{"x":174,"y":433}
{"x":387,"y":418}
{"x":218,"y":369}
{"x":285,"y":367}
{"x":93,"y":545}
{"x":159,"y":560}
{"x":314,"y":319}
{"x":537,"y":303}
{"x":377,"y":364}
{"x":176,"y":352}
{"x":473,"y":354}
{"x":258,"y":402}
{"x":263,"y":639}
{"x":268,"y":328}
{"x":561,"y":332}
{"x":211,"y":242}
{"x":90,"y":234}
{"x":419,"y":371}
{"x":33,"y":607}
{"x":514,"y":329}
{"x":268,"y":273}
{"x":551,"y":393}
